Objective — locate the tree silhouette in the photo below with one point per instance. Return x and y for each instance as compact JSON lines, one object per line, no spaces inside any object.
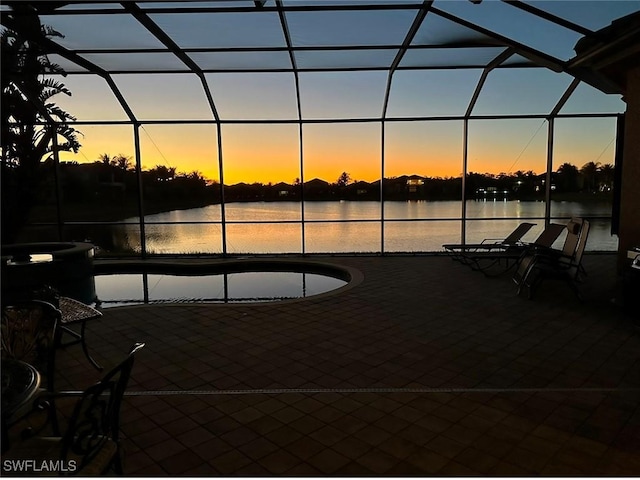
{"x":122,"y":162}
{"x":27,"y":131}
{"x":567,"y":177}
{"x":606,"y":175}
{"x":196,"y":177}
{"x":343,"y":179}
{"x":105,"y":159}
{"x":162,"y":173}
{"x":590,"y":172}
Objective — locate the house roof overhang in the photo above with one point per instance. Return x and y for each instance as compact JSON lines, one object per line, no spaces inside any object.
{"x":604,"y":58}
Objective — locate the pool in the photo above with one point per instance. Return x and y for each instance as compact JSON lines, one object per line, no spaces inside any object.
{"x":228,"y":282}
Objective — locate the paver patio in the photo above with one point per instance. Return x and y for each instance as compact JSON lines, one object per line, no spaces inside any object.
{"x":423,"y":367}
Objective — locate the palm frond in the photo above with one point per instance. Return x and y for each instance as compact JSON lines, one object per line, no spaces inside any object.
{"x":56,"y":111}
{"x":54,"y":68}
{"x":53,"y":84}
{"x":49,"y":31}
{"x":69,"y":146}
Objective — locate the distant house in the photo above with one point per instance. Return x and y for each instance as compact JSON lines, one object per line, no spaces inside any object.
{"x":415,"y":183}
{"x":361,"y":187}
{"x":404,"y":187}
{"x":541,"y":181}
{"x":283,"y":189}
{"x":491,"y":193}
{"x":316,"y":187}
{"x":316,"y":183}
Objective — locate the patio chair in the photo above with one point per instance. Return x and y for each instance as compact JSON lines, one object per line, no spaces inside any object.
{"x":568,"y":248}
{"x":458,"y":251}
{"x":498,"y":261}
{"x":91,"y":443}
{"x":30,"y":333}
{"x":565,"y":264}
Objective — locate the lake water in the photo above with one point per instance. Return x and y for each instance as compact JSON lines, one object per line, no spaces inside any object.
{"x":343,"y":226}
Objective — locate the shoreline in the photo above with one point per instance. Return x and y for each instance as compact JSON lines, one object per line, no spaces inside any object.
{"x":105,"y":212}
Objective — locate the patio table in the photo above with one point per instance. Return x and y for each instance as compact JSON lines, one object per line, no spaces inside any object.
{"x":74,"y":312}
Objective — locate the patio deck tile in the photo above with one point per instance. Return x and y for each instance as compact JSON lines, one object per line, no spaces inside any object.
{"x":424,"y":368}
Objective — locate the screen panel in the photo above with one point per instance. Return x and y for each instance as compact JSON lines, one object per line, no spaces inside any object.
{"x":425,"y":93}
{"x":338,"y":95}
{"x":423,"y":162}
{"x":259,"y":238}
{"x":254,"y":96}
{"x":91,"y":98}
{"x":165,"y":96}
{"x":521,"y":91}
{"x":583,"y":176}
{"x":343,"y":237}
{"x":420,"y":236}
{"x":341,"y":163}
{"x":261,"y":154}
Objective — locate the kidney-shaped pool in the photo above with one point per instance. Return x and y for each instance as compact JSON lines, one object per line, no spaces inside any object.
{"x":227,"y":282}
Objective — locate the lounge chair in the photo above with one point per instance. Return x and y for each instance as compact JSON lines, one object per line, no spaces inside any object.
{"x":565,"y":264}
{"x":496,"y":261}
{"x":458,"y":251}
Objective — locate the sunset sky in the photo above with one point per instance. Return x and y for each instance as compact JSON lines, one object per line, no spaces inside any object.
{"x":271,"y":152}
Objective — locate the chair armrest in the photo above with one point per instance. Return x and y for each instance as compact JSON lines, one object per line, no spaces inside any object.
{"x":43,"y":400}
{"x":552,"y":255}
{"x":539,"y":251}
{"x":552,"y":260}
{"x":493,"y":240}
{"x":60,"y":394}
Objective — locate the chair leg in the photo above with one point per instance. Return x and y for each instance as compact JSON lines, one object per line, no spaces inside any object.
{"x":524,"y":275}
{"x":53,"y":418}
{"x":575,"y":289}
{"x":535,"y":282}
{"x":117,"y":463}
{"x":531,"y":279}
{"x":533,"y":286}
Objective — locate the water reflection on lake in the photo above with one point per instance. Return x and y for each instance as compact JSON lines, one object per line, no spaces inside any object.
{"x":408,"y":227}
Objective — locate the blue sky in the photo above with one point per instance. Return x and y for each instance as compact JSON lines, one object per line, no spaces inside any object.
{"x":336,"y":95}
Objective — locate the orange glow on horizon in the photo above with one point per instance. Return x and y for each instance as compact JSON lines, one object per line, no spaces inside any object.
{"x":271,"y":153}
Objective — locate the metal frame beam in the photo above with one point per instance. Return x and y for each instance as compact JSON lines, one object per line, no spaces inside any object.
{"x":306,"y":70}
{"x":549,"y":16}
{"x":532,"y":54}
{"x":406,"y":43}
{"x":240,"y":9}
{"x":296,"y":78}
{"x":53,"y":47}
{"x":483,"y":78}
{"x":139,"y":11}
{"x":160,"y":34}
{"x":300,"y":48}
{"x":565,"y":96}
{"x":497,"y":61}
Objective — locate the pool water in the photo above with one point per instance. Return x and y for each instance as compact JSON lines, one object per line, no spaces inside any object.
{"x":114,"y":290}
